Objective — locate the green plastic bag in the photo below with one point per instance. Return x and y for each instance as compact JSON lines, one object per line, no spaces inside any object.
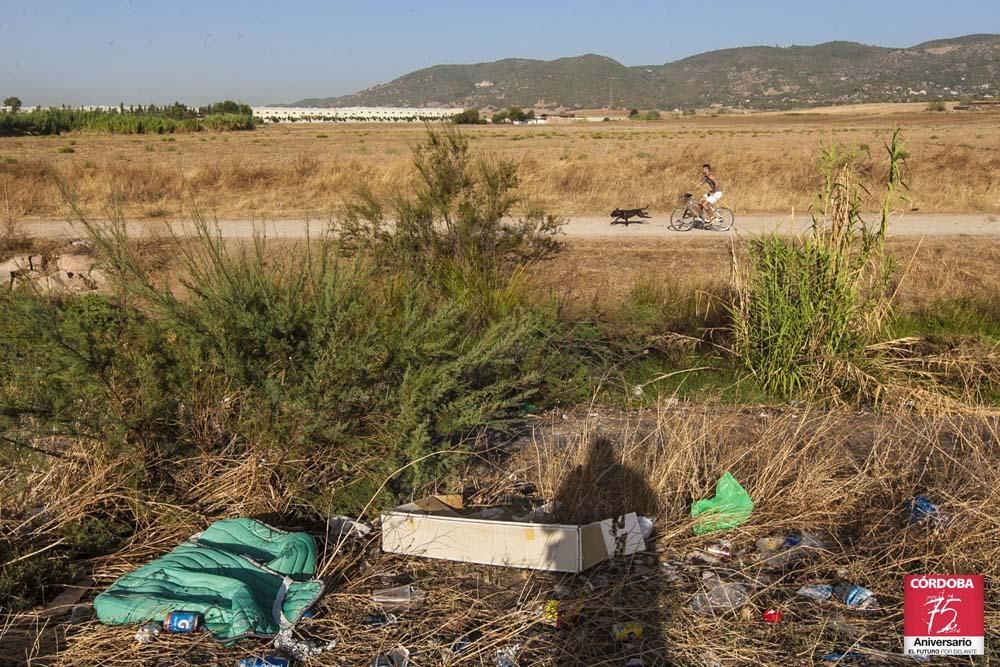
{"x":730,"y":507}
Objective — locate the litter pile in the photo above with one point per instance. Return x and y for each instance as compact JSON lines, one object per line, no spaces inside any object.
{"x":504,"y":575}
{"x":252,"y":589}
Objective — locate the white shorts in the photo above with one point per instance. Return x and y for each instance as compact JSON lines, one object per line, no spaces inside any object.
{"x":714,"y":197}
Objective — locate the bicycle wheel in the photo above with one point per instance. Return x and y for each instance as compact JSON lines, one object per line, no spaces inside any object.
{"x":724,"y":218}
{"x":681,"y":220}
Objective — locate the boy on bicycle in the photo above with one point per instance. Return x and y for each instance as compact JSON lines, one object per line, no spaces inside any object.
{"x":713,"y":195}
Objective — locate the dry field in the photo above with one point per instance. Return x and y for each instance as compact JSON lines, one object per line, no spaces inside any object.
{"x":766,"y":162}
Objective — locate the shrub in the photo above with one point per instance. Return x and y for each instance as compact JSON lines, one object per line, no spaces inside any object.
{"x":346,"y":371}
{"x":459,"y":219}
{"x":936,"y":105}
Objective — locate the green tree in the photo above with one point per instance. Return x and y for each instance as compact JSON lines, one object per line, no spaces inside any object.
{"x":633,"y":113}
{"x":500,"y":117}
{"x":14,"y":103}
{"x":467,"y":117}
{"x":517,"y":115}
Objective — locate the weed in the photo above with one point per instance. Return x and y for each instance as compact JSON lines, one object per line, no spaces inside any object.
{"x":808,"y":307}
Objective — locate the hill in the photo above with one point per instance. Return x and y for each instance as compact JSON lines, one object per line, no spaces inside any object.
{"x":754,"y":76}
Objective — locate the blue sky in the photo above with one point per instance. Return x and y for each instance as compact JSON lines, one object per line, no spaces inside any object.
{"x":141,"y":51}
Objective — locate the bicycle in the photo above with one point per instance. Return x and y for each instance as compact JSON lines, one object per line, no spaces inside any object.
{"x":688,"y":216}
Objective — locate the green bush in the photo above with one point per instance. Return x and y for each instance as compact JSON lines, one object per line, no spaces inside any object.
{"x":459,"y":220}
{"x":807,"y":308}
{"x":350,"y":370}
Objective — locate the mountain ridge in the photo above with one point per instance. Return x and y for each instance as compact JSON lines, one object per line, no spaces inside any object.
{"x":833,"y":72}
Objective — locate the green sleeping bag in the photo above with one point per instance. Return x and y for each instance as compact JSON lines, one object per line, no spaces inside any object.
{"x":243,"y":577}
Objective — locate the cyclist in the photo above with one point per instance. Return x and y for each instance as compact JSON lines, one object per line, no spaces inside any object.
{"x":713,"y":195}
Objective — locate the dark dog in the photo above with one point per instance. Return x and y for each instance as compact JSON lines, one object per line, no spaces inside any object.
{"x":620,"y":216}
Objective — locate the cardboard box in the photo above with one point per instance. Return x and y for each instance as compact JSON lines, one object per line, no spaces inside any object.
{"x":433,"y":527}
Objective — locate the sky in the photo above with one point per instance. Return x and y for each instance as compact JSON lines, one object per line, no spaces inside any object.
{"x":140,"y":52}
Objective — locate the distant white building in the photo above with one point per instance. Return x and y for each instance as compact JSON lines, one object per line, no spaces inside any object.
{"x":351,"y":114}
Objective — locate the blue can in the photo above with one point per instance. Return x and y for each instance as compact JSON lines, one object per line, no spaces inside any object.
{"x":269,"y":661}
{"x":181,"y":621}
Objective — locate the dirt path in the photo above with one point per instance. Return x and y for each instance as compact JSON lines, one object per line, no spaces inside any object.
{"x":583,"y":227}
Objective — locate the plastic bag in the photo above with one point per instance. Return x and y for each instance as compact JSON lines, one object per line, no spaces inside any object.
{"x":730,"y":507}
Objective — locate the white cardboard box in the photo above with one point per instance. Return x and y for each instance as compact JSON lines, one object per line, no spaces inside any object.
{"x":433,"y":528}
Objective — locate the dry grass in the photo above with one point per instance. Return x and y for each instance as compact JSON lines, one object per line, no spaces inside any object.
{"x":594,"y":275}
{"x":767,"y":163}
{"x":841,"y":475}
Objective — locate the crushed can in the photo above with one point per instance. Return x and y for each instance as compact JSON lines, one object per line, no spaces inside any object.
{"x":773,"y":615}
{"x":628,"y":631}
{"x":181,"y":621}
{"x":269,"y":661}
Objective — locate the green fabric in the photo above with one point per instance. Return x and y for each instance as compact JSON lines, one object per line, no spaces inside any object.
{"x":232,"y":574}
{"x":730,"y":507}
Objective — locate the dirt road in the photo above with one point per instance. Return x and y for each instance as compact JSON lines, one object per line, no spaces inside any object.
{"x":584,"y":227}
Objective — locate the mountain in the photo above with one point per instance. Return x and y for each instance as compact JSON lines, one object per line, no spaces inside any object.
{"x":754,"y":76}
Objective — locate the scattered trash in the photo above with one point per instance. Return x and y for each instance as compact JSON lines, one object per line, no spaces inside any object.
{"x":148,"y":633}
{"x":597,"y":582}
{"x":838,"y":625}
{"x":378,"y":620}
{"x":399,"y":597}
{"x":671,"y":572}
{"x":780,"y":552}
{"x":924,"y":512}
{"x":717,"y":595}
{"x":507,"y":657}
{"x":434,"y":527}
{"x":300,"y":649}
{"x":181,"y":621}
{"x":629,"y":631}
{"x":816,"y":591}
{"x":730,"y":507}
{"x":269,"y":661}
{"x":773,"y":615}
{"x":716,"y":552}
{"x":645,"y":527}
{"x":247,"y":596}
{"x":342,"y":527}
{"x":560,"y":613}
{"x":540,"y":514}
{"x":856,"y":597}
